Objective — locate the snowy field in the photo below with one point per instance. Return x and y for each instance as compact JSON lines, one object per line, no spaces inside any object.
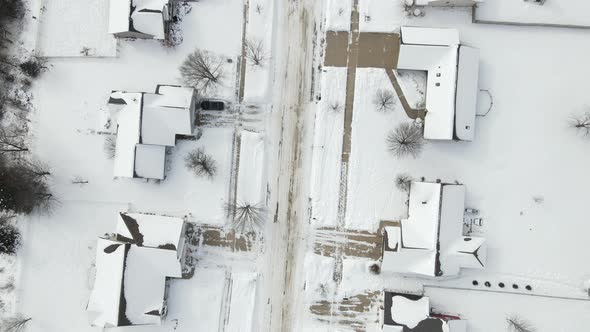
{"x":67,"y":27}
{"x":380,"y":15}
{"x":327,"y":148}
{"x":562,"y":12}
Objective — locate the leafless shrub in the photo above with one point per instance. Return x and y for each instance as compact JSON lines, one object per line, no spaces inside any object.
{"x":403,"y":182}
{"x":14,"y":324}
{"x":259,"y":8}
{"x":518,"y":324}
{"x":10,"y":238}
{"x":384,"y":100}
{"x":335,"y":107}
{"x":202,"y":70}
{"x":246,"y":217}
{"x":255,"y":52}
{"x":406,"y":140}
{"x":581,"y":123}
{"x":201,"y":164}
{"x":12,"y":140}
{"x":110,"y":146}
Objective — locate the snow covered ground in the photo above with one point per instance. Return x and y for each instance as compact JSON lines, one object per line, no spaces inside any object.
{"x":563,"y":12}
{"x":259,"y":36}
{"x":327,"y":147}
{"x":67,"y":27}
{"x":380,"y":15}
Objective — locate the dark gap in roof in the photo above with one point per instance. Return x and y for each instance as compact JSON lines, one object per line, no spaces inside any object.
{"x":133,"y":228}
{"x":123,"y":320}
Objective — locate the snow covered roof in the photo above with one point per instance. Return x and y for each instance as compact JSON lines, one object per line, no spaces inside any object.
{"x":142,"y":16}
{"x":451,"y":87}
{"x":146,"y":124}
{"x":149,"y":230}
{"x":131,"y":272}
{"x":412,"y":312}
{"x":430,"y":241}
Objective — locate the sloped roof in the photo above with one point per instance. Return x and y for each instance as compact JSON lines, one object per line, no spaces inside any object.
{"x":150,"y":230}
{"x":430,"y":241}
{"x":452,"y":83}
{"x":412,"y":313}
{"x":144,"y":16}
{"x":146,"y":123}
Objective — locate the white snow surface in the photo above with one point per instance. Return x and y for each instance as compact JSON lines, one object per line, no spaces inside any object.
{"x":408,"y":312}
{"x":380,"y":15}
{"x":562,"y":12}
{"x":156,"y":230}
{"x":338,"y":15}
{"x":67,"y":27}
{"x":327,"y":147}
{"x":250,"y":174}
{"x":259,"y":30}
{"x":243,"y":296}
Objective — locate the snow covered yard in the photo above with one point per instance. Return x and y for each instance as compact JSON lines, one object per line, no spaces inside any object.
{"x":327,"y":147}
{"x":563,"y":12}
{"x":259,"y":44}
{"x":67,"y":27}
{"x":380,"y":15}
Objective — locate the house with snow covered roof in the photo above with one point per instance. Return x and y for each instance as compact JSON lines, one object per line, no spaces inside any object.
{"x":452,"y":80}
{"x":133,"y":268}
{"x":430,"y":242}
{"x":406,"y":312}
{"x":147,"y":19}
{"x":147,"y":123}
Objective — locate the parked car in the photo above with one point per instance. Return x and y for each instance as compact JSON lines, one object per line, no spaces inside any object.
{"x":212,"y":105}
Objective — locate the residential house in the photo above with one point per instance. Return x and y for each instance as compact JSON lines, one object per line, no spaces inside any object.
{"x":452,"y":80}
{"x":406,"y":312}
{"x":147,"y":19}
{"x":133,"y":268}
{"x":430,"y":242}
{"x":147,"y":123}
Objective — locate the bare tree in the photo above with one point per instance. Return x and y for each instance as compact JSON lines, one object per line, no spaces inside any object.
{"x":335,"y":107}
{"x":384,"y":100}
{"x":518,"y":324}
{"x":110,"y":146}
{"x":406,"y":140}
{"x":202,"y":70}
{"x":246,"y":217}
{"x":15,"y":324}
{"x":581,"y":123}
{"x":403,"y":182}
{"x":255,"y":52}
{"x":200,"y":163}
{"x":24,"y":187}
{"x":12,"y":140}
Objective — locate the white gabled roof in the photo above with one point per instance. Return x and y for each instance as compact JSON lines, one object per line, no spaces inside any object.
{"x":150,"y":161}
{"x":146,"y":123}
{"x":430,"y":36}
{"x":163,"y":119}
{"x":119,"y":13}
{"x":144,"y":282}
{"x":452,"y":83}
{"x":150,"y":230}
{"x":131,"y":271}
{"x":467,"y":90}
{"x":432,"y":237}
{"x":128,"y":128}
{"x":407,"y":312}
{"x":147,"y":17}
{"x":103,"y":305}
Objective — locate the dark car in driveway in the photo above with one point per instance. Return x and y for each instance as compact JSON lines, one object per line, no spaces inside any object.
{"x":212,"y":105}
